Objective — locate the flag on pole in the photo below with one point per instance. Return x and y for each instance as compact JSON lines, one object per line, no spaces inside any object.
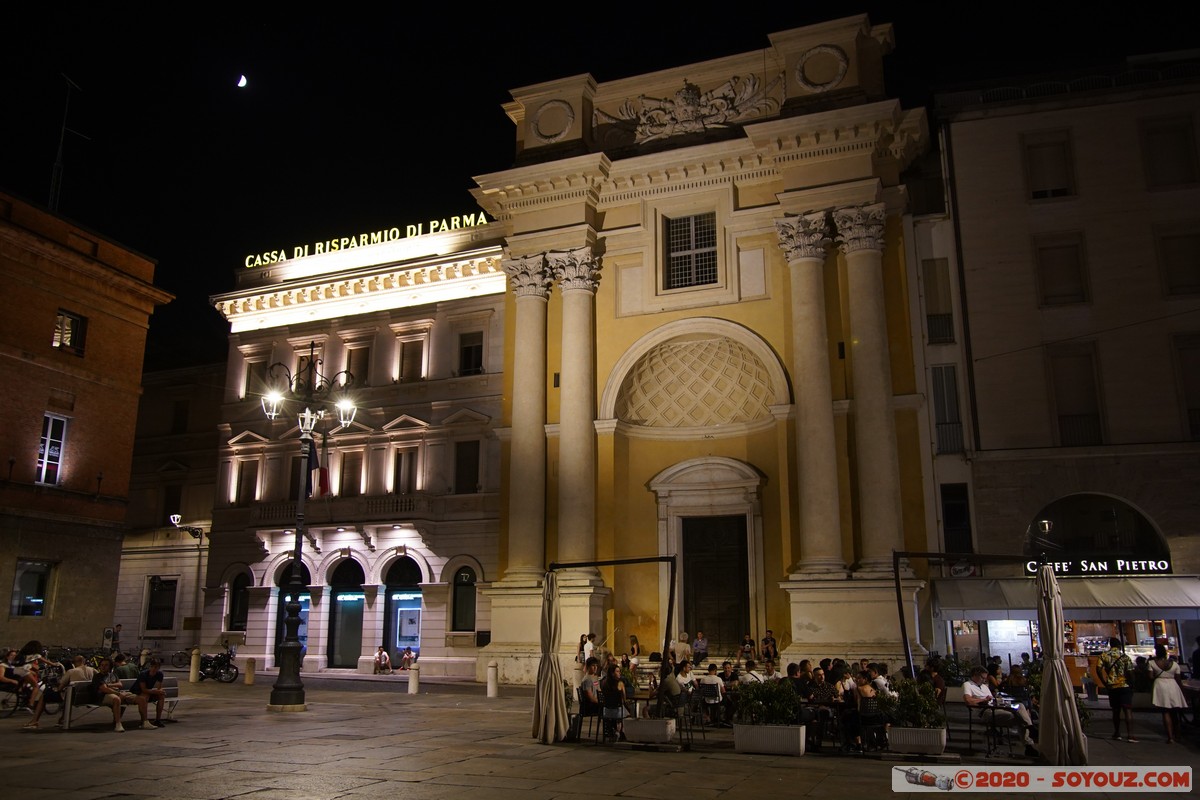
{"x":318,"y":476}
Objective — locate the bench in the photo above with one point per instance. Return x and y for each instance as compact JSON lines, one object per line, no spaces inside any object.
{"x":77,"y":706}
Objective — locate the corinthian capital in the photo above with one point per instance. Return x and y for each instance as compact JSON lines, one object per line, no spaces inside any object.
{"x":575,"y":269}
{"x":804,"y":236}
{"x":528,"y":276}
{"x":861,"y":227}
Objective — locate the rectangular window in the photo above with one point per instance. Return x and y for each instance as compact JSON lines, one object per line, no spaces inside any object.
{"x":69,"y":332}
{"x":1061,"y":270}
{"x":1179,"y":257}
{"x":297,"y":477}
{"x":50,"y":450}
{"x":247,"y":486}
{"x":351,"y":477}
{"x":1076,"y":399}
{"x":255,"y":378}
{"x":945,"y":409}
{"x":412,"y":360}
{"x":31,"y":589}
{"x":172,"y":503}
{"x":179,"y":416}
{"x":691,"y":251}
{"x":404,"y":477}
{"x":1187,"y":350}
{"x":160,"y":607}
{"x":358,"y":364}
{"x":956,"y":518}
{"x":1049,"y":168}
{"x":466,"y":467}
{"x":939,"y":308}
{"x":470,"y":353}
{"x":1169,"y":152}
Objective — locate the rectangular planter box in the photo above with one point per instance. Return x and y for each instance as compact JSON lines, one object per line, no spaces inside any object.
{"x":776,"y":740}
{"x":922,"y":741}
{"x":649,"y":731}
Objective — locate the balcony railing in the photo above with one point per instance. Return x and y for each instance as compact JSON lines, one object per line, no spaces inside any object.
{"x":950,"y":437}
{"x":941,"y":328}
{"x":1079,"y":430}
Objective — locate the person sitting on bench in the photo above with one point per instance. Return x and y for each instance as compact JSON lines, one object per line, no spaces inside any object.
{"x":150,"y":686}
{"x":107,"y":691}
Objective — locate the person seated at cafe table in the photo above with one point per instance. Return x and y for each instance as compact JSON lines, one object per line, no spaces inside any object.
{"x":979,"y":698}
{"x":728,"y":675}
{"x":715,"y":707}
{"x":751,"y":675}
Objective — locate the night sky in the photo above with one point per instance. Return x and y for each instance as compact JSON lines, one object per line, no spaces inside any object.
{"x":356,"y":119}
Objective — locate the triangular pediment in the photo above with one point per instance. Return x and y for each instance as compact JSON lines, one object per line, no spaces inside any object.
{"x":405,"y":421}
{"x":248,"y":437}
{"x":171,"y":465}
{"x":354,"y":427}
{"x":466,"y":416}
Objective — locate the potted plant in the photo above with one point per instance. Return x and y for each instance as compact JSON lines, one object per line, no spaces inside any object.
{"x":918,"y":724}
{"x":766,"y":716}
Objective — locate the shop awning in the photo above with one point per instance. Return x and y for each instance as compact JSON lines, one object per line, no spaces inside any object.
{"x":1158,"y":597}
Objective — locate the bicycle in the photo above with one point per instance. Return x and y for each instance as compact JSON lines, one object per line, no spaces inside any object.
{"x":181,"y":659}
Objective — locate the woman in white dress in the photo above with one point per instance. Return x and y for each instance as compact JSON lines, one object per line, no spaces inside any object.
{"x":1167,"y":695}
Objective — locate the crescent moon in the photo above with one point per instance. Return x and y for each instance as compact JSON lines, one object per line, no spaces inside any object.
{"x":242,"y":82}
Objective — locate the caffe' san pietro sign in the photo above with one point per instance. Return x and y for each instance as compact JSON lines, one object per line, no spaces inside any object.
{"x":268,"y":257}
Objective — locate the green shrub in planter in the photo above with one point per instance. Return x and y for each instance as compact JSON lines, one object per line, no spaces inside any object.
{"x":915,"y":705}
{"x":766,"y":703}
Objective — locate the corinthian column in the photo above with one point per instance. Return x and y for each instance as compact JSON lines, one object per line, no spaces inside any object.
{"x":530,"y":282}
{"x":860,"y":234}
{"x":578,"y":274}
{"x":804,"y":240}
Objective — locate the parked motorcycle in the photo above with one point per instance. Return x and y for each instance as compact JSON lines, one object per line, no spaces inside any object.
{"x":219,"y":666}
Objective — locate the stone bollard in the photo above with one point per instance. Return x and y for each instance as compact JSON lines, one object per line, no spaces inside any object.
{"x":493,"y":689}
{"x":194,"y":672}
{"x":143,"y":658}
{"x":414,"y":679}
{"x":251,"y":665}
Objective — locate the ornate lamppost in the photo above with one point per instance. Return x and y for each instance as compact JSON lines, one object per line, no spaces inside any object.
{"x":313,"y":392}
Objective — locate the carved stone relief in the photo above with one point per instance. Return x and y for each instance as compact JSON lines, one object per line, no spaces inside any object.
{"x":646,"y":119}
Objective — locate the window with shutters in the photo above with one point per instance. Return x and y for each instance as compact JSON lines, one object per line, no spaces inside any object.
{"x":1077,"y":408}
{"x":1061,"y":269}
{"x":1049,"y":168}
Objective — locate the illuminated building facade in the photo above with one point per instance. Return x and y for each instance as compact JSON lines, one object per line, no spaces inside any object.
{"x":402,"y":524}
{"x":1060,"y":304}
{"x":709,"y":352}
{"x":72,"y":337}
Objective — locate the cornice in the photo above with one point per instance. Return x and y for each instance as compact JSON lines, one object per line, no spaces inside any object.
{"x":340,"y":295}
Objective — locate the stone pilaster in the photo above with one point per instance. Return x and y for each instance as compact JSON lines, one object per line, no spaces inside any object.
{"x":860,"y":234}
{"x":804,"y":240}
{"x":530,"y":281}
{"x":578,"y":275}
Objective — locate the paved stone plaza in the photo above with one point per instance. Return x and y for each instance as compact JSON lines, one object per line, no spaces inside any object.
{"x":368,"y":738}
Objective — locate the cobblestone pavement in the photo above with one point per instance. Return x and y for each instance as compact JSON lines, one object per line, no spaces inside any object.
{"x":368,"y":738}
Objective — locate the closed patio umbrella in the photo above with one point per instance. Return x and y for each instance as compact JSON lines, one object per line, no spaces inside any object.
{"x":1060,"y":739}
{"x":550,"y":720}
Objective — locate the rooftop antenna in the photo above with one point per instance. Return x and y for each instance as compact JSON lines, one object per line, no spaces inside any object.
{"x":56,"y":176}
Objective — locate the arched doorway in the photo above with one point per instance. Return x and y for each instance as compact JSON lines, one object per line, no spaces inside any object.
{"x":346,"y":614}
{"x":281,"y":580}
{"x":402,"y":617}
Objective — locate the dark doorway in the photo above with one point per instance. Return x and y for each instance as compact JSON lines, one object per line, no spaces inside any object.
{"x":346,"y":619}
{"x":716,"y":586}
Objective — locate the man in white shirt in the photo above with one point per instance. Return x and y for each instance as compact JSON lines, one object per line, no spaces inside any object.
{"x":750,"y":675}
{"x":681,"y":648}
{"x":713,"y":702}
{"x":589,"y":647}
{"x":977,"y":695}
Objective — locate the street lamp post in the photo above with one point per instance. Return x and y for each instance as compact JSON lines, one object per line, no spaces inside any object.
{"x":198,"y":535}
{"x":312,"y":391}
